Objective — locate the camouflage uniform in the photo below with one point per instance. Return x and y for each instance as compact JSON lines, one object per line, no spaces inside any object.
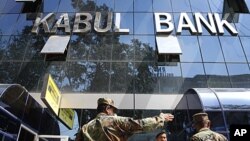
{"x":117,"y":128}
{"x":205,"y":134}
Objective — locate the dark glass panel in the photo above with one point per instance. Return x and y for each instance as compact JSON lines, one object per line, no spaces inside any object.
{"x":23,"y":25}
{"x":210,"y":49}
{"x":7,"y":22}
{"x":162,"y":6}
{"x":246,"y":46}
{"x":199,"y":6}
{"x":49,"y":125}
{"x":237,"y":117}
{"x":142,"y":22}
{"x":67,"y":6}
{"x":121,"y":77}
{"x":217,"y":121}
{"x":123,"y":48}
{"x":190,"y":48}
{"x":181,"y":6}
{"x":77,"y":76}
{"x":193,"y":75}
{"x":3,"y":45}
{"x":145,"y":80}
{"x":9,"y":72}
{"x":216,"y":5}
{"x":101,"y":50}
{"x":143,"y":5}
{"x":79,"y":47}
{"x":124,"y":6}
{"x":232,"y":49}
{"x":105,"y":5}
{"x":217,"y":75}
{"x":16,"y":48}
{"x":11,"y":6}
{"x":50,"y":5}
{"x":144,"y":48}
{"x":170,"y":76}
{"x":239,"y":75}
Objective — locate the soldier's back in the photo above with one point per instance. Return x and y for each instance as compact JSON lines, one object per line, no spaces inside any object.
{"x":208,"y":135}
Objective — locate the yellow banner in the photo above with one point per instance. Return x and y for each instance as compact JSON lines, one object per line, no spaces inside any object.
{"x":67,"y":117}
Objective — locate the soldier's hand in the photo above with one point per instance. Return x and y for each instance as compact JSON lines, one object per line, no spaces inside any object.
{"x":168,"y":116}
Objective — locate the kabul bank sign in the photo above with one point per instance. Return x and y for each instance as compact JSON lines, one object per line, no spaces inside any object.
{"x":163,"y":23}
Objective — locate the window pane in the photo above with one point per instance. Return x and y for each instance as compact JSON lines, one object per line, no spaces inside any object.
{"x":181,"y":6}
{"x":105,"y":5}
{"x":232,"y":49}
{"x":216,"y":5}
{"x":123,"y":48}
{"x":127,"y":22}
{"x":86,"y":5}
{"x":242,"y":24}
{"x":162,"y":6}
{"x":210,"y":49}
{"x":142,"y":23}
{"x":143,"y":5}
{"x":7,"y":22}
{"x":2,"y":4}
{"x":11,"y":6}
{"x":193,"y":75}
{"x":190,"y":48}
{"x":239,"y":75}
{"x":9,"y":72}
{"x":124,"y":5}
{"x":50,"y":5}
{"x":246,"y":46}
{"x":217,"y":76}
{"x":199,"y":6}
{"x":67,"y":6}
{"x":4,"y":40}
{"x":144,"y":48}
{"x":23,"y":26}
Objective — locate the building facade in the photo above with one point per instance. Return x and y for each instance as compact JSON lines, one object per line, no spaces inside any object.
{"x":145,"y":54}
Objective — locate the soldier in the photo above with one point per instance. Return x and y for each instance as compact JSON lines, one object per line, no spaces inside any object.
{"x":201,"y":123}
{"x":109,"y":127}
{"x":162,"y":136}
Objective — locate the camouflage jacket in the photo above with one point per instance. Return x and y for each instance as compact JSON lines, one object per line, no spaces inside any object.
{"x":205,"y":134}
{"x":117,"y":128}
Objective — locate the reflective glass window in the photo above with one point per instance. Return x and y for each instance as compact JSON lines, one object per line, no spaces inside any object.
{"x":23,"y":25}
{"x":143,"y":5}
{"x":67,"y":6}
{"x":7,"y":22}
{"x":217,"y":75}
{"x":145,"y":81}
{"x":246,"y":46}
{"x":232,"y":49}
{"x":239,"y":75}
{"x":217,"y":121}
{"x":190,"y":48}
{"x":170,"y":76}
{"x":162,"y":6}
{"x":196,"y":6}
{"x":123,"y":48}
{"x":3,"y":45}
{"x":16,"y":47}
{"x":181,"y":6}
{"x":79,"y":47}
{"x":144,"y":47}
{"x":237,"y":117}
{"x":78,"y":76}
{"x":9,"y":72}
{"x":105,"y":5}
{"x":210,"y":49}
{"x":2,"y":4}
{"x":49,"y":125}
{"x":34,"y":47}
{"x":216,"y":5}
{"x":193,"y":75}
{"x":101,"y":50}
{"x":121,"y":77}
{"x":11,"y":6}
{"x":124,"y":6}
{"x":126,"y":22}
{"x":142,"y":22}
{"x":50,"y":5}
{"x":86,"y":5}
{"x":242,"y":24}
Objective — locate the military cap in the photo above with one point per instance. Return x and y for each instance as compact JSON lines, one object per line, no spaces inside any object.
{"x":107,"y":101}
{"x":199,"y":117}
{"x":162,"y":132}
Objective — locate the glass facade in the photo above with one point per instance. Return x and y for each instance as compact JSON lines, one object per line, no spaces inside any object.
{"x":115,"y":63}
